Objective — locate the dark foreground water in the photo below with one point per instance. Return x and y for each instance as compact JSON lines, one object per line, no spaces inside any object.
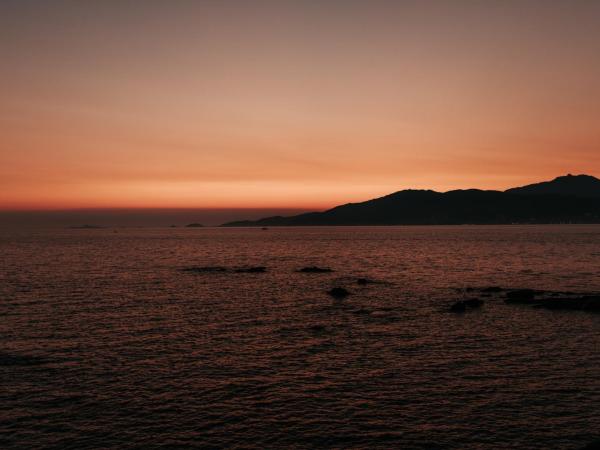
{"x":107,"y":343}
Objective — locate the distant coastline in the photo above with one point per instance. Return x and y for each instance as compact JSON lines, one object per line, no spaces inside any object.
{"x":569,"y":199}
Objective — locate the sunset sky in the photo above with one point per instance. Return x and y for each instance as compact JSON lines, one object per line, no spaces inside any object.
{"x":300,"y":104}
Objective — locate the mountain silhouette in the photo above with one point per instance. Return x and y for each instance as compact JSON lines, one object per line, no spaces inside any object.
{"x":577,"y":185}
{"x":566,"y":199}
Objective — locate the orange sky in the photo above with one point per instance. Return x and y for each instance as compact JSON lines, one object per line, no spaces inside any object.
{"x":302,"y":104}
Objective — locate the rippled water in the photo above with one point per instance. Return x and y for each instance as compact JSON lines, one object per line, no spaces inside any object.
{"x":107,"y":343}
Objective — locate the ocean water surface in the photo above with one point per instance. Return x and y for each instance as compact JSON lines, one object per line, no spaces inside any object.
{"x":107,"y":342}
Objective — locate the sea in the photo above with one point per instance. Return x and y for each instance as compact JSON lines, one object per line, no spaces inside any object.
{"x":126,"y":338}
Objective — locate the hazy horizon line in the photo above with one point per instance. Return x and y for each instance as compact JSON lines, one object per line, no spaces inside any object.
{"x":246,"y":208}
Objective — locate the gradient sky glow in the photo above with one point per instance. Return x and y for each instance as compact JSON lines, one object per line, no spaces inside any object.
{"x":304,"y":104}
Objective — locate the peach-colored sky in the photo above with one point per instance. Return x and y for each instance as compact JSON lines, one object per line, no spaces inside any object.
{"x":301,"y":104}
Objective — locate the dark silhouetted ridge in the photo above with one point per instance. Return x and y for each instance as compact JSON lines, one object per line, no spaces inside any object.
{"x":574,"y":185}
{"x":567,"y":199}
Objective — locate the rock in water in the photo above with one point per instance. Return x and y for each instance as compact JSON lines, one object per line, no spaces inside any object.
{"x":473,"y":303}
{"x":458,"y":307}
{"x":521,"y":294}
{"x":258,"y":269}
{"x":462,"y":305}
{"x":338,"y":292}
{"x":202,"y":269}
{"x":590,"y":303}
{"x":492,"y":289}
{"x":315,"y":269}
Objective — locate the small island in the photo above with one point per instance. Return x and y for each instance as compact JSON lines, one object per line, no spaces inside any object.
{"x":194,"y":225}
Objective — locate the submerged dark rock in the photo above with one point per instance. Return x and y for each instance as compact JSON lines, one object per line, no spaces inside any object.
{"x":315,"y":269}
{"x":204,"y":269}
{"x":554,"y":299}
{"x":221,"y":269}
{"x":338,"y":292}
{"x":318,"y":328}
{"x":258,"y":269}
{"x":364,"y":281}
{"x":592,"y":446}
{"x":590,"y":303}
{"x":473,"y":303}
{"x":8,"y":359}
{"x":458,"y":307}
{"x":492,"y":289}
{"x":522,"y":301}
{"x":462,"y":305}
{"x":520,"y":295}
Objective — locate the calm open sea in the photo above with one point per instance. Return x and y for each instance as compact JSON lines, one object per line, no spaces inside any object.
{"x":107,"y":343}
